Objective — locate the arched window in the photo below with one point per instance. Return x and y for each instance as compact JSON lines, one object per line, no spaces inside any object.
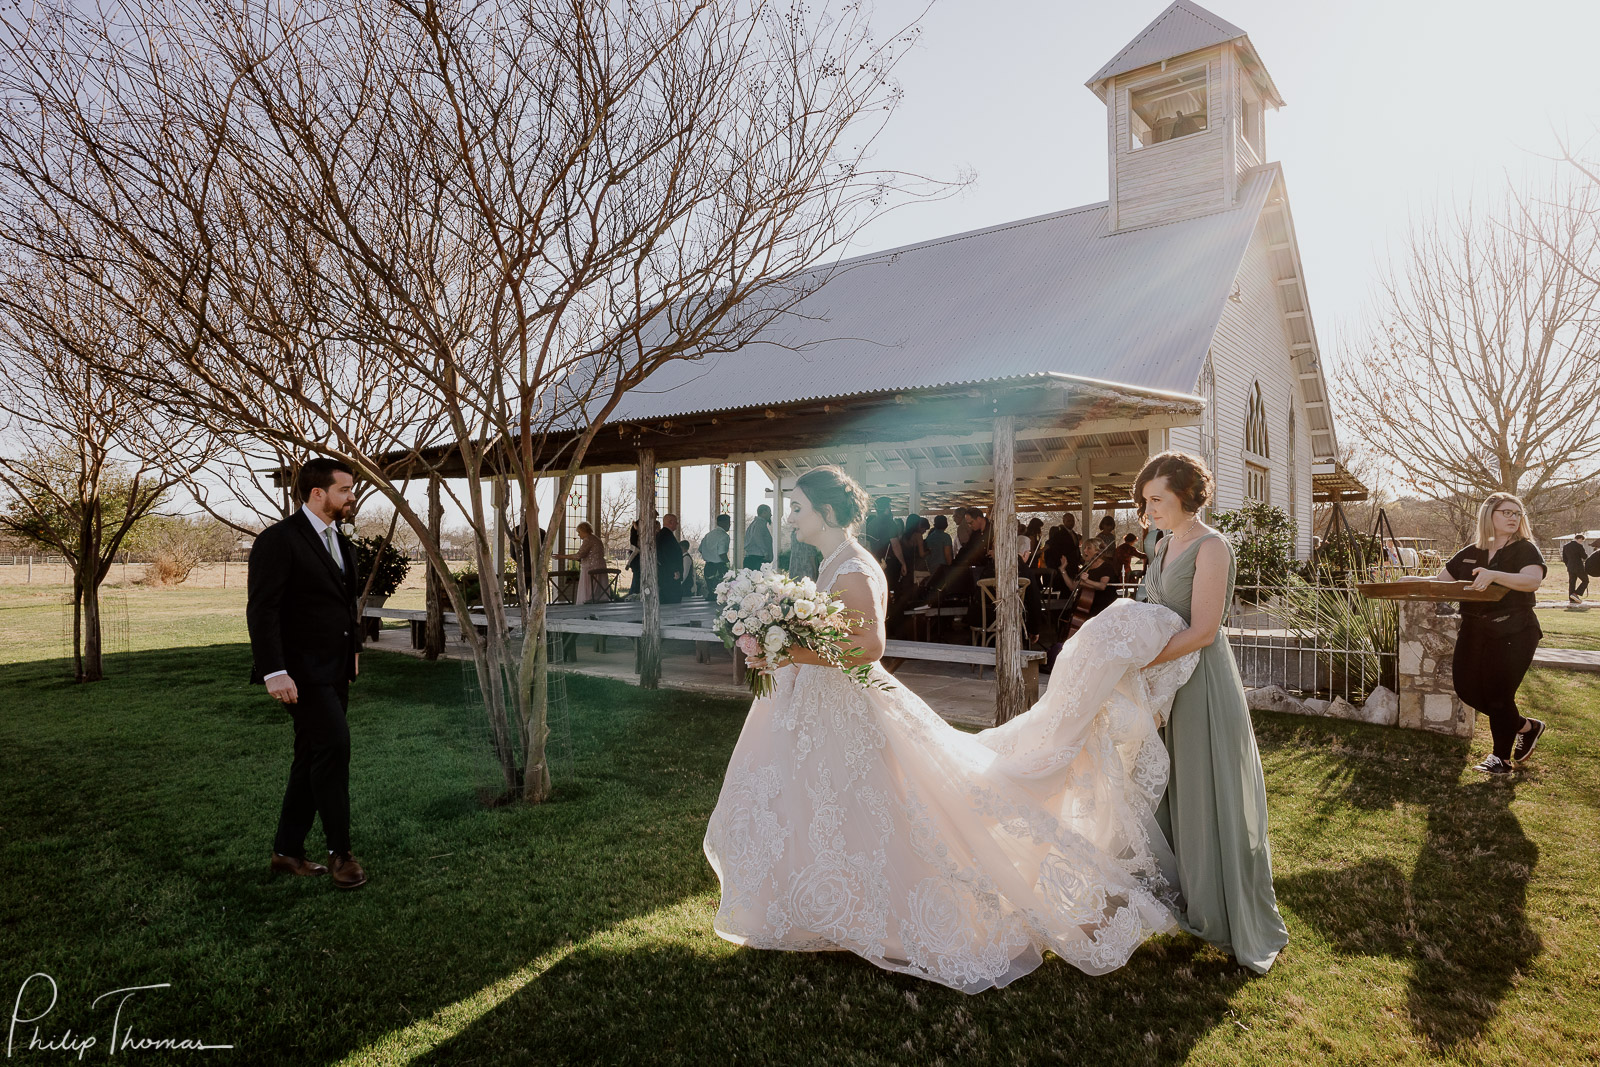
{"x":1255,"y":425}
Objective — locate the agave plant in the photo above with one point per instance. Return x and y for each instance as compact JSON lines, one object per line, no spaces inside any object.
{"x":1357,"y":641}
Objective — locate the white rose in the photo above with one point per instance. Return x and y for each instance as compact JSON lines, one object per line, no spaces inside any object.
{"x":804,"y":608}
{"x":738,"y":628}
{"x":774,"y":640}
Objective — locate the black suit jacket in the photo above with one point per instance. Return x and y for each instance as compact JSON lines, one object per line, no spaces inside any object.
{"x":669,"y":554}
{"x":1573,"y":555}
{"x":302,"y":610}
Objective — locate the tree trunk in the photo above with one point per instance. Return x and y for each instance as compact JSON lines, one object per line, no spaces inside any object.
{"x":433,"y":631}
{"x":91,"y":668}
{"x":1011,"y":694}
{"x":77,"y":626}
{"x":649,"y":583}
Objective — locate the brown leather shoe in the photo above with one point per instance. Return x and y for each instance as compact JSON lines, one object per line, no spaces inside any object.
{"x":347,"y":873}
{"x":295,"y":865}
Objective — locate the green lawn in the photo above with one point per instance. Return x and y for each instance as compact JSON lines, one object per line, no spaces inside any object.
{"x":1433,"y":916}
{"x":1571,"y":629}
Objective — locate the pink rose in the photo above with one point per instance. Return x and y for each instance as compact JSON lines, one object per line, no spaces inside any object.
{"x":749,"y":645}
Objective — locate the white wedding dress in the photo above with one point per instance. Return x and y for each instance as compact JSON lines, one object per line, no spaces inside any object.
{"x":857,"y":819}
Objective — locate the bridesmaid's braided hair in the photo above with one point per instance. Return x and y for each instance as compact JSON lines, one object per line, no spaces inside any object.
{"x":830,"y":487}
{"x":1186,"y":475}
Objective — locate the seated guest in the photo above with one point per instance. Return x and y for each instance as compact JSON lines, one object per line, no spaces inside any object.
{"x":1061,"y":556}
{"x":1035,"y":535}
{"x":1101,"y":577}
{"x":1108,"y":530}
{"x":1127,"y":552}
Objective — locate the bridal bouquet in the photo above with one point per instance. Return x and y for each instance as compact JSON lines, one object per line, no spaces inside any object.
{"x":765,"y":613}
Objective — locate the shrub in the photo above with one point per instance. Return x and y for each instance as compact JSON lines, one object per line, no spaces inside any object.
{"x":1263,"y":544}
{"x":378,"y":557}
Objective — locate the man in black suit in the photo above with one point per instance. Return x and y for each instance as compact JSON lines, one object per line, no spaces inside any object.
{"x":305,"y":639}
{"x":1575,"y":555}
{"x":669,"y":561}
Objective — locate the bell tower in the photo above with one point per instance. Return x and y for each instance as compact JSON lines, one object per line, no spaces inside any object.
{"x":1185,"y":103}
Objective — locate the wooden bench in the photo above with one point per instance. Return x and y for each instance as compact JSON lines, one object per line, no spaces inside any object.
{"x":897,"y":652}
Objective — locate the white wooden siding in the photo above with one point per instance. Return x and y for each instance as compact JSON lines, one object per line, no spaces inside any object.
{"x":1251,"y":346}
{"x":1176,"y":179}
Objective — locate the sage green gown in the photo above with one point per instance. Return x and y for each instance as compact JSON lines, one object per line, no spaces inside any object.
{"x":1215,"y":810}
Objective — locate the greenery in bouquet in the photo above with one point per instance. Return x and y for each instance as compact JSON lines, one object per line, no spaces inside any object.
{"x":766,"y":613}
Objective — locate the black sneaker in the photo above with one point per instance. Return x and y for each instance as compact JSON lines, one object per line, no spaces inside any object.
{"x":1493,"y":764}
{"x":1526,"y":741}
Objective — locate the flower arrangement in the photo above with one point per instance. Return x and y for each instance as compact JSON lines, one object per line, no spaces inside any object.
{"x":765,"y":613}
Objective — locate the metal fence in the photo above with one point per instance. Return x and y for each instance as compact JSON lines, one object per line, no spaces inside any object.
{"x":1321,"y":640}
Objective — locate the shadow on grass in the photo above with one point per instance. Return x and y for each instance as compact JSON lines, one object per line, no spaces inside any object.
{"x":1459,"y":915}
{"x":688,"y":1000}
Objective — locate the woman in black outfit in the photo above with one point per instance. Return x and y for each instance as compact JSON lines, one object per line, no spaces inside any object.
{"x":1498,"y":637}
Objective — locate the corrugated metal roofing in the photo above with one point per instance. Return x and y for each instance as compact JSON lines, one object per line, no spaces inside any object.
{"x":1049,"y":295}
{"x":1179,"y":30}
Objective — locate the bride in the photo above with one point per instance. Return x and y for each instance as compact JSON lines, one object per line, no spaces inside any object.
{"x":856,"y":819}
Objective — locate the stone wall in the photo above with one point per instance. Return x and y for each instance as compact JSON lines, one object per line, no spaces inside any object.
{"x":1427,"y":697}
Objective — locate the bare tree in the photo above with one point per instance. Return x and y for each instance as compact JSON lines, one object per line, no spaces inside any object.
{"x":93,"y":462}
{"x":618,"y":509}
{"x":1481,"y":373}
{"x":496,"y":218}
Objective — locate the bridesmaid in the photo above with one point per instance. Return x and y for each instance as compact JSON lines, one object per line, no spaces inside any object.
{"x":1215,"y":810}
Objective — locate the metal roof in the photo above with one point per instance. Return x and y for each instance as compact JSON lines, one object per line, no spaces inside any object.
{"x":1052,"y":295}
{"x":1182,"y":28}
{"x":1179,"y":30}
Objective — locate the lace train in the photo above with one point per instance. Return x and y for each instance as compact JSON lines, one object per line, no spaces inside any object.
{"x":857,"y":819}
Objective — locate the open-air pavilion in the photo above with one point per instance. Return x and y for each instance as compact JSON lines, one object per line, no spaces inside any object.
{"x":1030,"y":366}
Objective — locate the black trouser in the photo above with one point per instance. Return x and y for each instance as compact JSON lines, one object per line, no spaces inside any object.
{"x":1577,"y":582}
{"x":1487,"y":669}
{"x":715,"y":572}
{"x":319,"y":777}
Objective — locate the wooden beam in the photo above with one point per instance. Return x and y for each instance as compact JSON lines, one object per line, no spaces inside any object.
{"x":740,"y":518}
{"x":649,"y":655}
{"x":1010,"y":692}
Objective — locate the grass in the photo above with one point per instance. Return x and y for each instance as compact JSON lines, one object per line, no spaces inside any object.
{"x":1571,"y":629}
{"x":1434,"y":917}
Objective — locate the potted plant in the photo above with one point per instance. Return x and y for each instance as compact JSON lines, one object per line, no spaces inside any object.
{"x":387,"y":565}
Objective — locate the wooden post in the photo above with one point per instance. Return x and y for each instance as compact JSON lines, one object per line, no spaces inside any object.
{"x":778,"y":513}
{"x":675,"y":492}
{"x":714,"y":475}
{"x":1010,"y":688}
{"x":1086,"y":528}
{"x":593,"y":504}
{"x":501,"y":493}
{"x":433,"y":630}
{"x":915,"y":492}
{"x":740,"y":477}
{"x":649,"y":660}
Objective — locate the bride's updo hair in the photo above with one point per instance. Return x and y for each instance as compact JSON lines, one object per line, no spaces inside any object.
{"x":833,"y":489}
{"x":1187,"y":476}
